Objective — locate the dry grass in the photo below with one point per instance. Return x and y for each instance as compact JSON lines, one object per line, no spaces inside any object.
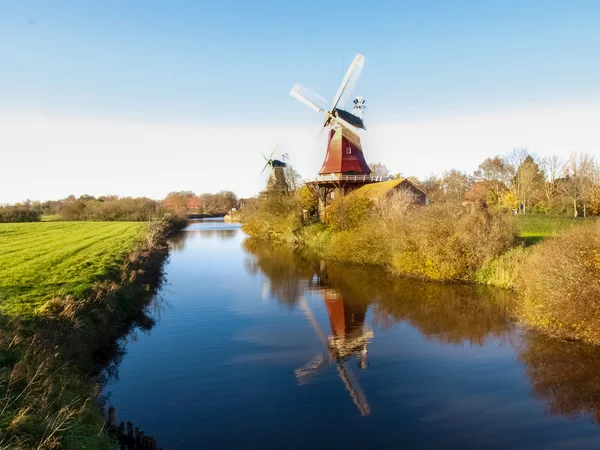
{"x":47,"y":400}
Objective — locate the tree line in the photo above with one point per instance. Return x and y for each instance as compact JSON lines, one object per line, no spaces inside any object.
{"x":521,"y":181}
{"x":114,"y":208}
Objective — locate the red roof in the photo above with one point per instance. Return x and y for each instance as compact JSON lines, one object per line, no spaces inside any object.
{"x":344,"y":154}
{"x":193,"y":203}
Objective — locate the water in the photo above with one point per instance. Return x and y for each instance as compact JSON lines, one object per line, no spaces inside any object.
{"x":257,"y":348}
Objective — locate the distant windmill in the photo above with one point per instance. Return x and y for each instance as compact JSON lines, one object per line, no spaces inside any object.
{"x":277,"y":179}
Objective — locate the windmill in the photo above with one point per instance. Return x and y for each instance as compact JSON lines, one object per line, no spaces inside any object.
{"x":277,"y":179}
{"x":344,"y":150}
{"x":344,"y":166}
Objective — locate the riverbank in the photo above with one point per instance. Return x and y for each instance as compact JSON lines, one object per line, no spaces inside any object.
{"x":70,"y":291}
{"x":547,"y":260}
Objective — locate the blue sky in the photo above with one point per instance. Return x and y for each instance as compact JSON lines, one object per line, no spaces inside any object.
{"x":171,"y":63}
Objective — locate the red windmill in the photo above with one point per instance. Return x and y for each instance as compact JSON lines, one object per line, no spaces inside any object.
{"x":344,"y":167}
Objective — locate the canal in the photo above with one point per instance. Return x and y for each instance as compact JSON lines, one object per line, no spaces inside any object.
{"x":254,"y":347}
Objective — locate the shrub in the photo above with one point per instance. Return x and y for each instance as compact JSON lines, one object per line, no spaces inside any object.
{"x":346,"y":213}
{"x":110,"y":209}
{"x":560,"y":285}
{"x":504,"y":270}
{"x":274,"y":216}
{"x":443,"y":242}
{"x":19,"y":214}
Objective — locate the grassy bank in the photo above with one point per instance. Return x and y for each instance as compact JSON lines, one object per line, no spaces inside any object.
{"x":534,"y":228}
{"x":39,"y":261}
{"x":69,"y":290}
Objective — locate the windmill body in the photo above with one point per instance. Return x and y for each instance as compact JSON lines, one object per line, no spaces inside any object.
{"x":344,"y":154}
{"x":344,"y":168}
{"x":277,"y":180}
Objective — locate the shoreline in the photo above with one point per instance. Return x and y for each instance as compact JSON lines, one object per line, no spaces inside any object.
{"x":53,"y":362}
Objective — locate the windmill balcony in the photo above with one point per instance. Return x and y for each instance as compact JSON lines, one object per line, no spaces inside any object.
{"x":365,"y":178}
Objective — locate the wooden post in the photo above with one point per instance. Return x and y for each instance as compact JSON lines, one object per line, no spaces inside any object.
{"x":129,"y":433}
{"x":111,"y":416}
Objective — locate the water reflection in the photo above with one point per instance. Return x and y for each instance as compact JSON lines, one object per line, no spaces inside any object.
{"x":448,"y":313}
{"x":566,"y":375}
{"x":178,"y":240}
{"x":432,"y":365}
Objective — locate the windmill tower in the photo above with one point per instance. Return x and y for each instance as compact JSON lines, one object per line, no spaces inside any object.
{"x":277,"y":181}
{"x":344,"y":168}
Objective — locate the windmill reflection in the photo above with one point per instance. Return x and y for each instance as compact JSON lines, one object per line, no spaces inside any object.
{"x":348,"y":338}
{"x":288,"y":277}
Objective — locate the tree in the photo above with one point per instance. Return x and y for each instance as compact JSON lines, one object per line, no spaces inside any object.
{"x":496,"y":171}
{"x":551,"y":168}
{"x":528,"y":178}
{"x":380,"y":170}
{"x":433,"y":186}
{"x":455,"y":185}
{"x":177,"y":202}
{"x":577,"y":184}
{"x":292,"y":178}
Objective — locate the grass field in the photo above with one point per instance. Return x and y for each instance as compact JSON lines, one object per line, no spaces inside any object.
{"x":534,"y":228}
{"x":41,"y":260}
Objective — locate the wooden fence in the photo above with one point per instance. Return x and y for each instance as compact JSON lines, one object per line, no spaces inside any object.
{"x":128,"y":437}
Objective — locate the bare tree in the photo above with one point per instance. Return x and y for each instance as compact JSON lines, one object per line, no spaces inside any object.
{"x":379,"y":170}
{"x":551,"y":167}
{"x":578,"y":175}
{"x":293,"y":178}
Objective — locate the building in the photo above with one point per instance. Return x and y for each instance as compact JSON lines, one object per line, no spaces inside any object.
{"x":194,"y":204}
{"x":377,"y":191}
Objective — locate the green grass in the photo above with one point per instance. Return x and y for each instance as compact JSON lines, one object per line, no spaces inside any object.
{"x":39,"y":261}
{"x":533,"y":228}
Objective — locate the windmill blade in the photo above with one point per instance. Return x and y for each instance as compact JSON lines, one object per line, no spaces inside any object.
{"x":266,"y":165}
{"x":310,"y":369}
{"x":308,"y":97}
{"x":273,"y":152}
{"x":354,"y":389}
{"x":349,"y":81}
{"x":263,"y":155}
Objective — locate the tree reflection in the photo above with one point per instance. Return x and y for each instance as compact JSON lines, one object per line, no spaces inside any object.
{"x":565,"y":374}
{"x":177,"y":241}
{"x":287,"y":274}
{"x":450,"y":313}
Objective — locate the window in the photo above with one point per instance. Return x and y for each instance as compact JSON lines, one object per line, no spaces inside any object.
{"x":348,"y":150}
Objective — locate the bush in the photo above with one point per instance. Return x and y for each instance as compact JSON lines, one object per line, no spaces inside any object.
{"x":504,"y":270}
{"x":19,"y":214}
{"x":346,"y":213}
{"x":110,"y":209}
{"x":441,"y":242}
{"x":274,"y":216}
{"x":447,"y":243}
{"x":560,"y":285}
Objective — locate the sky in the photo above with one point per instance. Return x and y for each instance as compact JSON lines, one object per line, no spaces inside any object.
{"x":141,"y":98}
